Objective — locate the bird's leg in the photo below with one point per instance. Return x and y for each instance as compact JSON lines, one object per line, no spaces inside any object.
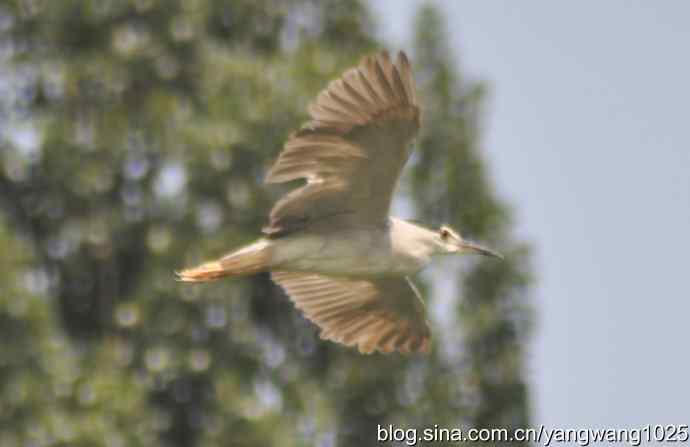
{"x":248,"y":260}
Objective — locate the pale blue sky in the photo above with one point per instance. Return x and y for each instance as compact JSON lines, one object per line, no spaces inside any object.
{"x":587,"y":135}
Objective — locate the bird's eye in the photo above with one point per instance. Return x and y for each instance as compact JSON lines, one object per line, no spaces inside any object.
{"x":444,"y":233}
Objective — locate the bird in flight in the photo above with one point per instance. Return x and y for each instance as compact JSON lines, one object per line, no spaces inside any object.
{"x":331,"y":244}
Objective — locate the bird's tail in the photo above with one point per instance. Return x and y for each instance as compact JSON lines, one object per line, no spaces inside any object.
{"x":248,"y":260}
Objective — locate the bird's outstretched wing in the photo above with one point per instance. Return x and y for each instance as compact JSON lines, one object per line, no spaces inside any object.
{"x":352,"y":151}
{"x":384,"y":314}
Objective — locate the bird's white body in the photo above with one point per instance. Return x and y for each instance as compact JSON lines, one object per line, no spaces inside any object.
{"x":399,"y":249}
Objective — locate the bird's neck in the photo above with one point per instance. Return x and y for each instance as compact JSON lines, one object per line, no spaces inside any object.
{"x":413,"y":237}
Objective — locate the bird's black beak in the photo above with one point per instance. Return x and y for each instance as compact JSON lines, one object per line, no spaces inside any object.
{"x":479,"y":249}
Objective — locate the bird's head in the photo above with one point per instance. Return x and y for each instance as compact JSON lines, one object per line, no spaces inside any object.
{"x":451,"y":242}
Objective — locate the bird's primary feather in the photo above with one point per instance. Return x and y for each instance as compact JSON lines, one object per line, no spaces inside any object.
{"x":382,"y":314}
{"x":353,"y":149}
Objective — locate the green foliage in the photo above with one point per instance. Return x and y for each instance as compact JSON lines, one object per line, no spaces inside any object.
{"x":133,"y":142}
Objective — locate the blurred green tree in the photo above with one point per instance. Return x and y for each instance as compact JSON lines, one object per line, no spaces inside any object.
{"x":134,"y":135}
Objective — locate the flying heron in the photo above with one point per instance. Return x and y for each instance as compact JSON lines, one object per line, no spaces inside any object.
{"x":331,"y":244}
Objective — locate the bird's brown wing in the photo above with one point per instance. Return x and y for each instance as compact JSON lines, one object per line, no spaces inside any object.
{"x":352,"y":151}
{"x":385,"y":314}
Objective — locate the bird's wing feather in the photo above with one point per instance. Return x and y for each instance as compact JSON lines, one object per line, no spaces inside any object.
{"x":352,"y":151}
{"x":385,"y":314}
